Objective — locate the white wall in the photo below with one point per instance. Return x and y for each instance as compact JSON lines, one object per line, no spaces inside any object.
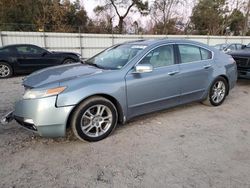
{"x":90,"y":44}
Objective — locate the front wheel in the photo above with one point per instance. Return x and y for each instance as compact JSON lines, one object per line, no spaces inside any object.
{"x":217,"y":93}
{"x":94,"y":119}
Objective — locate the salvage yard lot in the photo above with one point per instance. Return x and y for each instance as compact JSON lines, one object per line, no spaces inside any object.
{"x":190,"y":146}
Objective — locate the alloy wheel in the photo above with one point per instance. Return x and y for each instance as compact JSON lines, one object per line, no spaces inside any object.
{"x":218,"y":92}
{"x":4,"y":71}
{"x":96,"y":120}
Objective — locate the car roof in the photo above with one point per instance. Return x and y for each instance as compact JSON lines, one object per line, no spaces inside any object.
{"x":164,"y":41}
{"x":16,"y":45}
{"x":147,"y":42}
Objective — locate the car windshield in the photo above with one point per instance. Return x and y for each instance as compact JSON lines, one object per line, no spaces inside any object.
{"x":115,"y":57}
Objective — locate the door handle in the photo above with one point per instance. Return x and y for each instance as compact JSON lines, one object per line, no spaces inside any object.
{"x":173,"y":73}
{"x":207,"y":66}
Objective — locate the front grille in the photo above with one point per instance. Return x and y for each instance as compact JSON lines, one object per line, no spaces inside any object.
{"x":242,"y":61}
{"x":27,"y":87}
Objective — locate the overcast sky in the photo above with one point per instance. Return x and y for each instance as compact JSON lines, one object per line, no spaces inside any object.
{"x":89,"y":6}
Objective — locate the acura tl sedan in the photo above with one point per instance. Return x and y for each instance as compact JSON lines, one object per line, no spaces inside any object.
{"x":122,"y":82}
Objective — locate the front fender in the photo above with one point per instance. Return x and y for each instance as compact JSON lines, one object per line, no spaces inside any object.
{"x":73,"y":96}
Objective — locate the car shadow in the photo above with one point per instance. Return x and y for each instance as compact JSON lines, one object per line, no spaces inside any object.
{"x":243,"y":82}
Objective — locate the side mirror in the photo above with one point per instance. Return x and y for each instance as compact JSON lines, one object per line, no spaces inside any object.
{"x":143,"y":68}
{"x":44,"y":54}
{"x":227,"y":50}
{"x":243,"y":46}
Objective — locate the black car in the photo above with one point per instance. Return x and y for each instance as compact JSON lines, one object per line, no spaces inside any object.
{"x":226,"y":48}
{"x":242,"y":58}
{"x":26,"y":58}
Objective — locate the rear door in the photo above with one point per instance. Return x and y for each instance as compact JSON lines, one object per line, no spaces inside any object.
{"x":196,"y":68}
{"x":159,"y":89}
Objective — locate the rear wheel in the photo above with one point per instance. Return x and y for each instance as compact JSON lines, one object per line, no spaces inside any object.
{"x":68,"y":61}
{"x":94,"y":119}
{"x":5,"y":70}
{"x":217,"y":93}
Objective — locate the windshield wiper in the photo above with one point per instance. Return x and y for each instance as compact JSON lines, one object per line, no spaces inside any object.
{"x":93,"y":64}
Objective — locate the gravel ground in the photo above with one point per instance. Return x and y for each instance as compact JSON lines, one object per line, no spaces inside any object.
{"x":189,"y":146}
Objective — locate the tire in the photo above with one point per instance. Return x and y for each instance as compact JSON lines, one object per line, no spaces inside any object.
{"x":90,"y":124}
{"x":217,"y":92}
{"x":6,"y":70}
{"x":68,"y":61}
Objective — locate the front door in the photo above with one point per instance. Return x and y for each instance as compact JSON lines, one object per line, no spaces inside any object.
{"x":32,"y":58}
{"x":156,"y":90}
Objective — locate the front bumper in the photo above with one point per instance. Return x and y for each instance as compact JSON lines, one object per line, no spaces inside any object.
{"x":244,"y":73}
{"x":42,"y":116}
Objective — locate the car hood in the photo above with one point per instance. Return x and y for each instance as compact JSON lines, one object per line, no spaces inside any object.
{"x":59,"y":74}
{"x":244,"y":52}
{"x":68,"y":53}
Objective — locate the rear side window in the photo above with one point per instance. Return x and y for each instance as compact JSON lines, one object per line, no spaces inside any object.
{"x":205,"y":54}
{"x":190,"y":53}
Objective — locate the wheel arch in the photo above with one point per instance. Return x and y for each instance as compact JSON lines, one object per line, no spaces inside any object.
{"x":5,"y":61}
{"x":68,"y":58}
{"x":106,"y":96}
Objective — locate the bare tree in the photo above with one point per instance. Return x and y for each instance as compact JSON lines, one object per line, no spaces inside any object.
{"x":105,"y":17}
{"x":162,"y":11}
{"x":125,"y":6}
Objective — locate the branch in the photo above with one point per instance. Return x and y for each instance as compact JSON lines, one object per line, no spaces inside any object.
{"x":116,"y":10}
{"x":128,"y":9}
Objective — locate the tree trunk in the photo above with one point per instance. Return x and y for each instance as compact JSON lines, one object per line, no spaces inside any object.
{"x":246,"y":20}
{"x":120,"y":25}
{"x":165,"y":30}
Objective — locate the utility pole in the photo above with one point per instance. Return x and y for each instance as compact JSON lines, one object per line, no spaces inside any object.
{"x":247,"y":19}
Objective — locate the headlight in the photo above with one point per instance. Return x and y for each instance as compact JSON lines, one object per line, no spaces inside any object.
{"x":33,"y":94}
{"x":79,"y":55}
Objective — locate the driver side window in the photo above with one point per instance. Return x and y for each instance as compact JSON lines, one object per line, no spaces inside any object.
{"x":29,"y":50}
{"x":232,"y":47}
{"x":160,"y":57}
